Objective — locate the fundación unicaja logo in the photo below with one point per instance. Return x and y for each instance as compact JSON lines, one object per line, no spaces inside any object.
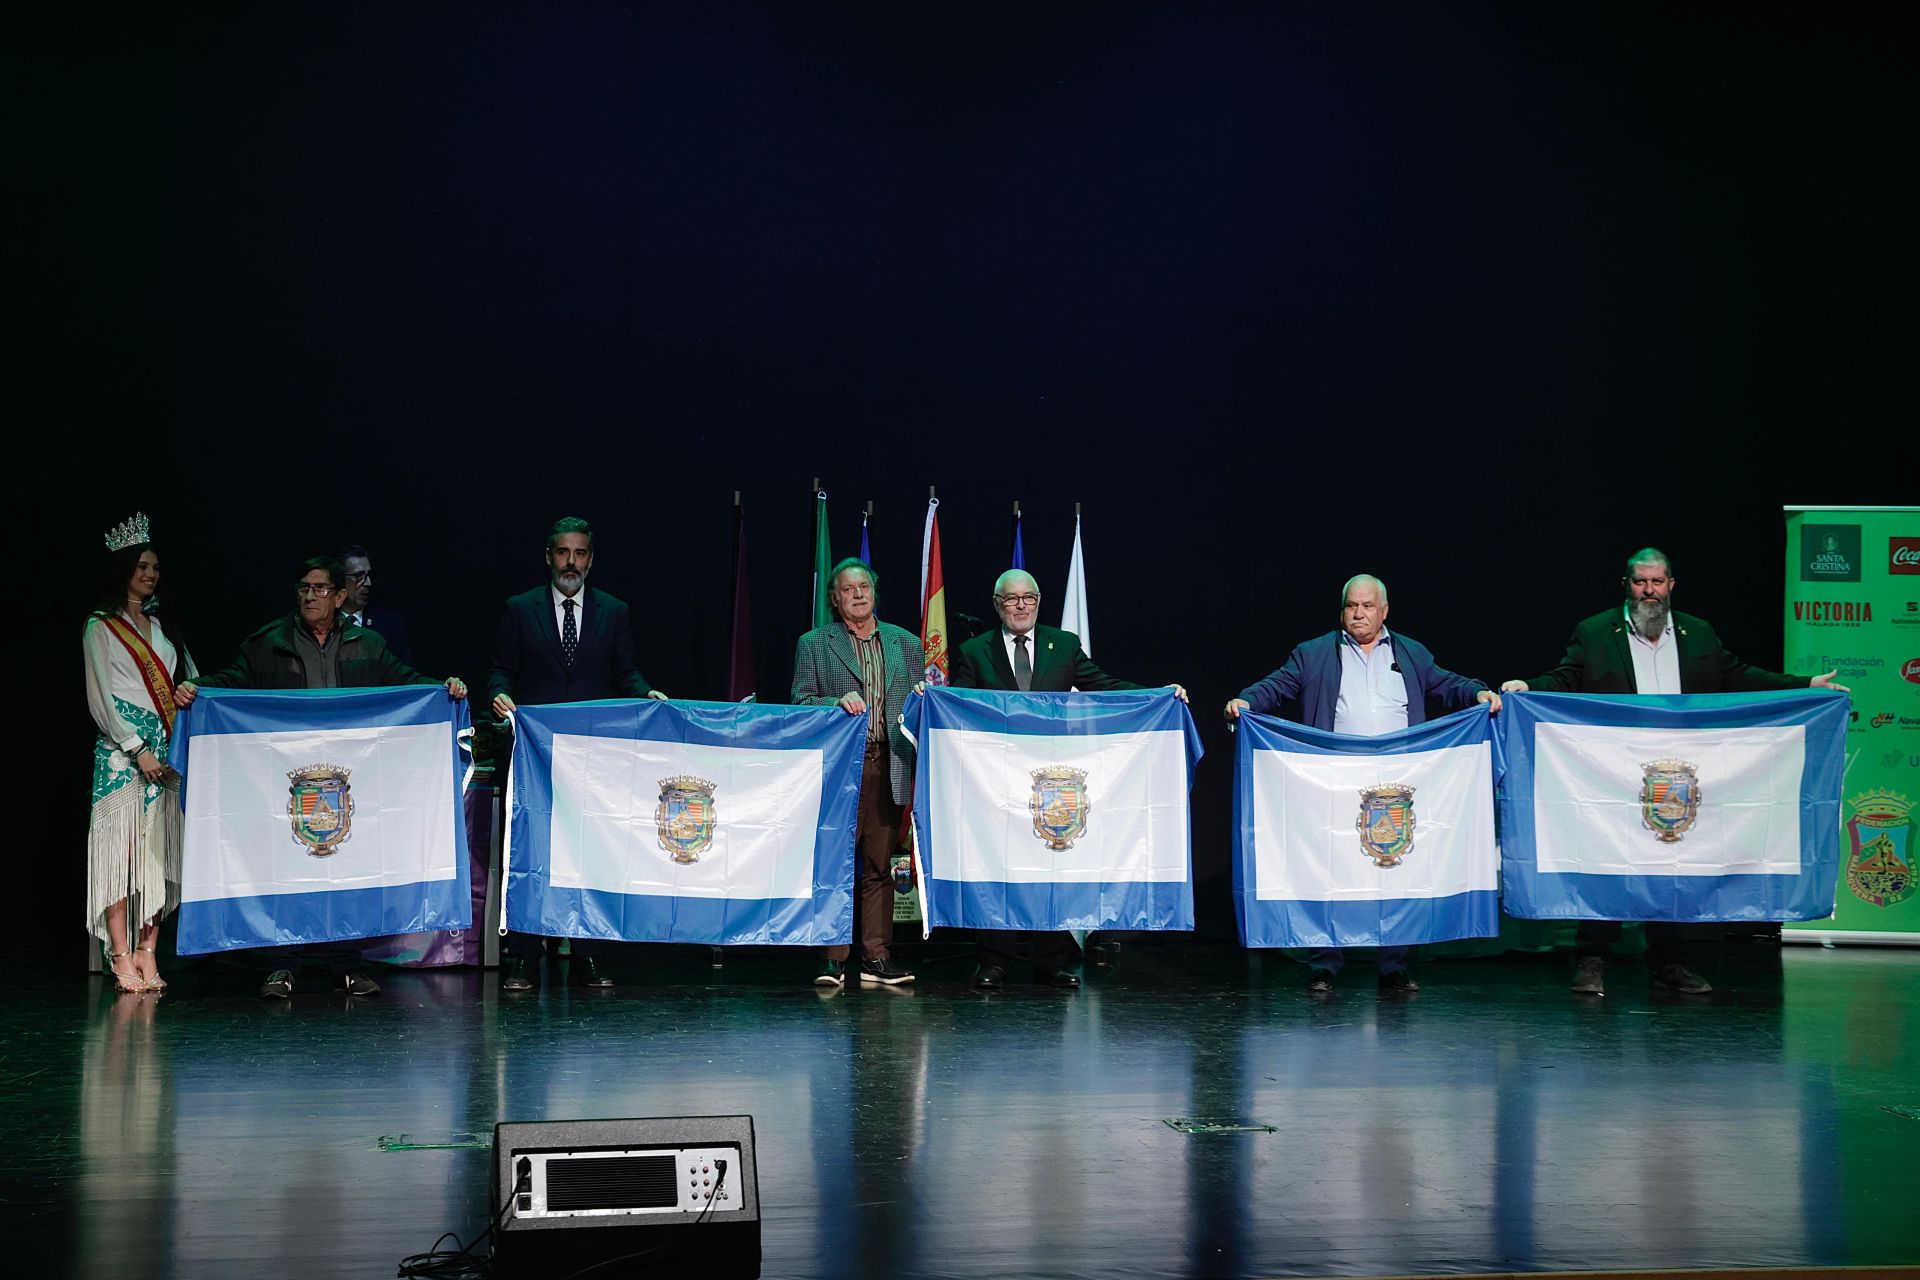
{"x":1830,"y":553}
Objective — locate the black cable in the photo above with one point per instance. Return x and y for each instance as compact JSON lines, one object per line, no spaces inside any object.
{"x":461,"y":1262}
{"x":681,"y":1226}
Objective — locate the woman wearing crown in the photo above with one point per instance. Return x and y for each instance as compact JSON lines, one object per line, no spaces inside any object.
{"x":135,"y":656}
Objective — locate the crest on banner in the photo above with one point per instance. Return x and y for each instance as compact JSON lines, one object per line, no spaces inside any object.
{"x":1386,"y":823}
{"x":1059,"y":805}
{"x":684,"y":818}
{"x":1880,"y":863}
{"x":320,"y":807}
{"x":1669,"y":797}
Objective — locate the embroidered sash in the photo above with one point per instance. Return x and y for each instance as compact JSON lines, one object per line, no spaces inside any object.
{"x":158,"y":680}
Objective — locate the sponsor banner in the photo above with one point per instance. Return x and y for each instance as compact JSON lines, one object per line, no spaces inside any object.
{"x":1053,"y":810}
{"x":318,"y":815}
{"x":1349,"y":841}
{"x":1696,"y":807}
{"x":718,"y":822}
{"x":1853,"y":605}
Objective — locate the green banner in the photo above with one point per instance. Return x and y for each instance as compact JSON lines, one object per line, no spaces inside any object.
{"x":1853,"y":605}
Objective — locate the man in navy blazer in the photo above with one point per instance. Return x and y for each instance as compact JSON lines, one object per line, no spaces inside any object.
{"x":1361,"y":679}
{"x":362,"y":612}
{"x":563,"y":642}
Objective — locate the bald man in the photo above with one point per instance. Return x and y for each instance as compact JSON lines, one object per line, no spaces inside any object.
{"x":1361,"y":679}
{"x":1022,"y":654}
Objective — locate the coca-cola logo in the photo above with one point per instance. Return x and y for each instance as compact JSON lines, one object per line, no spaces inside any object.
{"x":1910,"y":670}
{"x":1903,"y":555}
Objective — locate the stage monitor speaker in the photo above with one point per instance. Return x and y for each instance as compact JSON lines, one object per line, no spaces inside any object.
{"x":607,"y":1193}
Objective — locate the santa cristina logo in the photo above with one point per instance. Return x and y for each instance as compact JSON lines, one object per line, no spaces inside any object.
{"x":1059,"y":805}
{"x":1880,"y":865}
{"x":1386,"y":823}
{"x":320,"y":806}
{"x":684,"y":817}
{"x":1830,"y":553}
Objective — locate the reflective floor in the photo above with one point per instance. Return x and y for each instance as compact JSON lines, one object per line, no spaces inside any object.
{"x":1495,"y":1122}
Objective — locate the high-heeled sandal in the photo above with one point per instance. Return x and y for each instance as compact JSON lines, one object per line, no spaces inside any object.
{"x":156,"y":982}
{"x":128,"y":984}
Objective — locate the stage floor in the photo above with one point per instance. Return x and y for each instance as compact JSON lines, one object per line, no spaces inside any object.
{"x":1495,"y":1122}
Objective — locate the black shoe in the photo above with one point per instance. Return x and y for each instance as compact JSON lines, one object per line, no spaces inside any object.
{"x":1398,"y":982}
{"x":279,"y":985}
{"x":515,"y":975}
{"x":1677,"y":977}
{"x":989,"y":977}
{"x":359,"y":984}
{"x":1065,"y":979}
{"x":830,"y":975}
{"x":884,"y":973}
{"x":588,"y":972}
{"x":1590,"y":976}
{"x":1320,"y":982}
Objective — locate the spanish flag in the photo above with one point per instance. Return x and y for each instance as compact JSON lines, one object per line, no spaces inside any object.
{"x":933,"y":598}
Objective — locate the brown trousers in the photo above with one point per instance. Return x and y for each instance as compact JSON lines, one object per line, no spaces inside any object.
{"x":875,"y":838}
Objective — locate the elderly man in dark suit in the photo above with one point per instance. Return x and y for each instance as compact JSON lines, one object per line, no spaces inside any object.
{"x":1645,"y":646}
{"x":562,"y":642}
{"x":1361,"y":679}
{"x":866,"y":667}
{"x":1022,"y":654}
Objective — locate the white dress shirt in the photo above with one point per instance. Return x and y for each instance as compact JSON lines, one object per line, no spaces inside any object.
{"x":1373,"y":695}
{"x":560,"y":611}
{"x":1656,"y":665}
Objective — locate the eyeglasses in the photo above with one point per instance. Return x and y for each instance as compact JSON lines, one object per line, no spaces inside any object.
{"x":365,"y":575}
{"x":314,"y":588}
{"x":1022,"y":601}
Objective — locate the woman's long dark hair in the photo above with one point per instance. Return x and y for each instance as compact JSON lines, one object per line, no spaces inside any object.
{"x":112,"y":597}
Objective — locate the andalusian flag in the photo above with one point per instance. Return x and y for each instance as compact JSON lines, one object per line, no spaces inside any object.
{"x":933,"y":598}
{"x":1073,"y":614}
{"x":822,"y":561}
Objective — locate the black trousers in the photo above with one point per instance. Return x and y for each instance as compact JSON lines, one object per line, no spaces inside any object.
{"x":1045,"y":951}
{"x":1666,"y":943}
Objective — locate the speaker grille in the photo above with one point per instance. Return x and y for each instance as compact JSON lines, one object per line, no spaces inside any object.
{"x":613,"y":1182}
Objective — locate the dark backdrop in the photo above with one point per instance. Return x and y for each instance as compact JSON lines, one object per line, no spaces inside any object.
{"x":1475,"y":298}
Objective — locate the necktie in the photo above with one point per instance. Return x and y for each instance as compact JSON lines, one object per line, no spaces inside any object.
{"x":569,"y":634}
{"x":1022,"y":665}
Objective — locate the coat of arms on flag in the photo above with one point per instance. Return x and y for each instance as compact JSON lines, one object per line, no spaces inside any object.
{"x":1669,"y":797}
{"x":1386,"y":824}
{"x":684,"y":817}
{"x":1059,"y":805}
{"x":320,"y":807}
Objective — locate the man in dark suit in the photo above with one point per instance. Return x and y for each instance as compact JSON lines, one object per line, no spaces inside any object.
{"x":562,"y":642}
{"x":362,"y":612}
{"x":1022,"y":654}
{"x":866,"y":667}
{"x":1361,"y":679}
{"x":1647,"y":647}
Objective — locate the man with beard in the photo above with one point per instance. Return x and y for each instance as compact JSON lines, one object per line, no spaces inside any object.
{"x":1647,"y":647}
{"x":1022,"y":654}
{"x":866,"y":667}
{"x":314,"y":647}
{"x":1361,"y":679}
{"x":562,"y":642}
{"x":362,"y":612}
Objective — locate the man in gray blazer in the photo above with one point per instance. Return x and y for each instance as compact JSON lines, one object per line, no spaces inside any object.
{"x":866,"y":667}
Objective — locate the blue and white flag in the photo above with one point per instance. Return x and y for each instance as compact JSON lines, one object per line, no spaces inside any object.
{"x":1349,"y":841}
{"x":1053,"y":810}
{"x":1718,"y":806}
{"x":316,"y":815}
{"x":719,"y":822}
